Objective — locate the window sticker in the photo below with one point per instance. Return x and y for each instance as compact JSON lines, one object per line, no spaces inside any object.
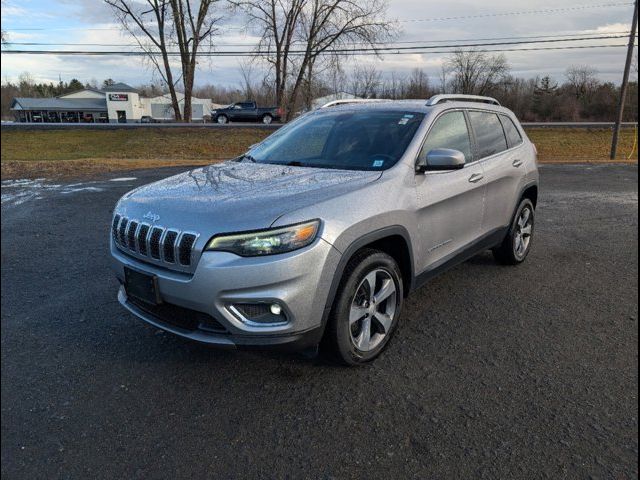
{"x":403,"y":121}
{"x":378,"y":163}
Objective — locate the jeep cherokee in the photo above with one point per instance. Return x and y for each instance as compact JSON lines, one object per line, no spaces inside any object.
{"x":316,"y":235}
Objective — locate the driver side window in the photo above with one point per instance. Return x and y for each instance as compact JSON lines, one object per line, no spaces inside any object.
{"x":449,"y":131}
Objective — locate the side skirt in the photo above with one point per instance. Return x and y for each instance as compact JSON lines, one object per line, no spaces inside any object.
{"x":485,"y":242}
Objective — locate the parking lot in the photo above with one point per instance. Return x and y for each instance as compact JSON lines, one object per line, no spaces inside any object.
{"x":495,"y":372}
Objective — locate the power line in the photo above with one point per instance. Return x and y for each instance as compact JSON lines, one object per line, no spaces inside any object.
{"x":251,"y":54}
{"x":567,"y":35}
{"x":371,"y":50}
{"x":521,"y":12}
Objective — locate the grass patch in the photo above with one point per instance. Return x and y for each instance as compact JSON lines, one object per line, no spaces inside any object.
{"x":74,"y":152}
{"x":576,"y":145}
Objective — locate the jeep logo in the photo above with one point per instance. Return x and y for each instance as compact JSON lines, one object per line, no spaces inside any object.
{"x":152,"y":217}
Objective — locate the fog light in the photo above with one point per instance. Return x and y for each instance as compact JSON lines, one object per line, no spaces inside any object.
{"x":276,"y":309}
{"x":260,"y":313}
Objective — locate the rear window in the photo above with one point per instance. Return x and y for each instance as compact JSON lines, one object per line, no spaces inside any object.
{"x":513,"y":135}
{"x":488,"y":132}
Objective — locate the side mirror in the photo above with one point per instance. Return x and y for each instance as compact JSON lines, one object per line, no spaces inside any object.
{"x":440,"y":159}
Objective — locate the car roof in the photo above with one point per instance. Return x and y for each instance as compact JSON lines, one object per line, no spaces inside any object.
{"x":414,"y":105}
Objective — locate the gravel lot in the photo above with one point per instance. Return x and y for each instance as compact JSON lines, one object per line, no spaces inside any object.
{"x":495,"y":372}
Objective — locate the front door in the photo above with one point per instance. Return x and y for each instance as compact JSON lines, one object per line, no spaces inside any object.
{"x":122,"y":116}
{"x":450,"y":202}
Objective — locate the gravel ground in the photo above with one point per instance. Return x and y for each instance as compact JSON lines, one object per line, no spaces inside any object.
{"x":495,"y":372}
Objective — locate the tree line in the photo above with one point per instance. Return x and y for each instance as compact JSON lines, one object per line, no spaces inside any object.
{"x":580,"y":96}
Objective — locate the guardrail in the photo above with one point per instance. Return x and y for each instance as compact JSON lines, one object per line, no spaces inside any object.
{"x":261,"y":126}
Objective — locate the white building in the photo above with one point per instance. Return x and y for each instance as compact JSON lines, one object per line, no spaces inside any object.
{"x":118,"y":103}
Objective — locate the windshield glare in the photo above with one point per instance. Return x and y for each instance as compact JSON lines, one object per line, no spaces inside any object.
{"x":355,"y":140}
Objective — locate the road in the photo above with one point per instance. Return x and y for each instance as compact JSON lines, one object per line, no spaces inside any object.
{"x":495,"y":372}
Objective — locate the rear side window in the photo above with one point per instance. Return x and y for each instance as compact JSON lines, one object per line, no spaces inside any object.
{"x":489,"y":133}
{"x":449,"y":131}
{"x":513,"y":135}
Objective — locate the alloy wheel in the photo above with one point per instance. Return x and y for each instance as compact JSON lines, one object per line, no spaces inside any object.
{"x":524,"y":229}
{"x":372,"y":310}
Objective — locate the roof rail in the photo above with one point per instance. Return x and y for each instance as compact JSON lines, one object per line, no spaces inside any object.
{"x":347,"y":101}
{"x":460,"y":98}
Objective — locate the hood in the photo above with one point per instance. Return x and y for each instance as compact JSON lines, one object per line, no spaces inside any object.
{"x":236,"y":196}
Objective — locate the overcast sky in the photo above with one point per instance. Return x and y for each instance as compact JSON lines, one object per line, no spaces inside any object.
{"x":90,"y":21}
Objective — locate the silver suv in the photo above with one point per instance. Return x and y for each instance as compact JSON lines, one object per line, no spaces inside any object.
{"x":316,"y":235}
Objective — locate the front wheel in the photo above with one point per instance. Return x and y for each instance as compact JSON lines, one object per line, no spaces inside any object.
{"x":222,"y":119}
{"x":367,"y":307}
{"x":517,"y":244}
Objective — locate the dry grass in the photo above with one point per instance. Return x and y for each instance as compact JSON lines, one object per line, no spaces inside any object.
{"x":577,"y":145}
{"x":76,"y":152}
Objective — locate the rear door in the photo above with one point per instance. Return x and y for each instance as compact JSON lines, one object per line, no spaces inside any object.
{"x":499,"y":155}
{"x":450,"y":203}
{"x":248,"y":111}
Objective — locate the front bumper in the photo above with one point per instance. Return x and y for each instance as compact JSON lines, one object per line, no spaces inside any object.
{"x":299,"y":281}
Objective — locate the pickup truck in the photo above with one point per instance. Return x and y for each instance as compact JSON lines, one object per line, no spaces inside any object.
{"x":245,"y":112}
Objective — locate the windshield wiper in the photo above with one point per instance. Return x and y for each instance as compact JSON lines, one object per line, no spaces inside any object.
{"x":246,"y":156}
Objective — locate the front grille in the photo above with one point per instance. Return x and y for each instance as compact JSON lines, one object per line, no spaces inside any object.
{"x":142,"y":239}
{"x":157,"y":243}
{"x":131,"y":235}
{"x":114,"y":227}
{"x":184,"y":250}
{"x":122,"y":233}
{"x":156,"y":234}
{"x":169,"y":246}
{"x":180,"y":317}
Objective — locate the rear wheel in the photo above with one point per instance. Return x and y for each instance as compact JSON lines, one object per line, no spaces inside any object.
{"x":367,"y":307}
{"x":517,"y":244}
{"x":267,"y":119}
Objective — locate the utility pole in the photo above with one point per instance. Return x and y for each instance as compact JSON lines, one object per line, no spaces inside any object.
{"x":625,"y":82}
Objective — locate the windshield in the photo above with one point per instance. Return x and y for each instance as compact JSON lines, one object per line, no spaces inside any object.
{"x":356,"y":140}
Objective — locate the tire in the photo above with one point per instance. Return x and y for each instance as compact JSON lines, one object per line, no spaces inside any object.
{"x":222,"y":119}
{"x":267,"y":119}
{"x":355,"y":311}
{"x":517,"y":244}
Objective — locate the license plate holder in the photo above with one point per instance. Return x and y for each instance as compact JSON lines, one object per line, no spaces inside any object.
{"x":142,"y":286}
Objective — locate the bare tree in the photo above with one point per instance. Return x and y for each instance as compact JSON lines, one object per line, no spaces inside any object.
{"x":247,"y":72}
{"x":157,"y":24}
{"x":475,"y":73}
{"x":365,"y":81}
{"x":583,"y":79}
{"x":277,"y":21}
{"x":418,"y":84}
{"x":193,"y":29}
{"x":4,"y":39}
{"x":297,"y":33}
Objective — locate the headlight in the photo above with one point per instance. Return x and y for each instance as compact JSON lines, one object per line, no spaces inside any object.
{"x":266,"y":242}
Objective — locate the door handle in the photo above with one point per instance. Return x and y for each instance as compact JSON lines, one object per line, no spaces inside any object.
{"x":517,"y":162}
{"x":476,"y":177}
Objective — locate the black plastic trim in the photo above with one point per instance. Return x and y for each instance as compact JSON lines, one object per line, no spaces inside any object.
{"x":353,"y":248}
{"x":485,"y":242}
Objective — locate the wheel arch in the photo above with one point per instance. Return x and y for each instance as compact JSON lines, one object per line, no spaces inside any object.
{"x":394,"y":241}
{"x":530,"y":192}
